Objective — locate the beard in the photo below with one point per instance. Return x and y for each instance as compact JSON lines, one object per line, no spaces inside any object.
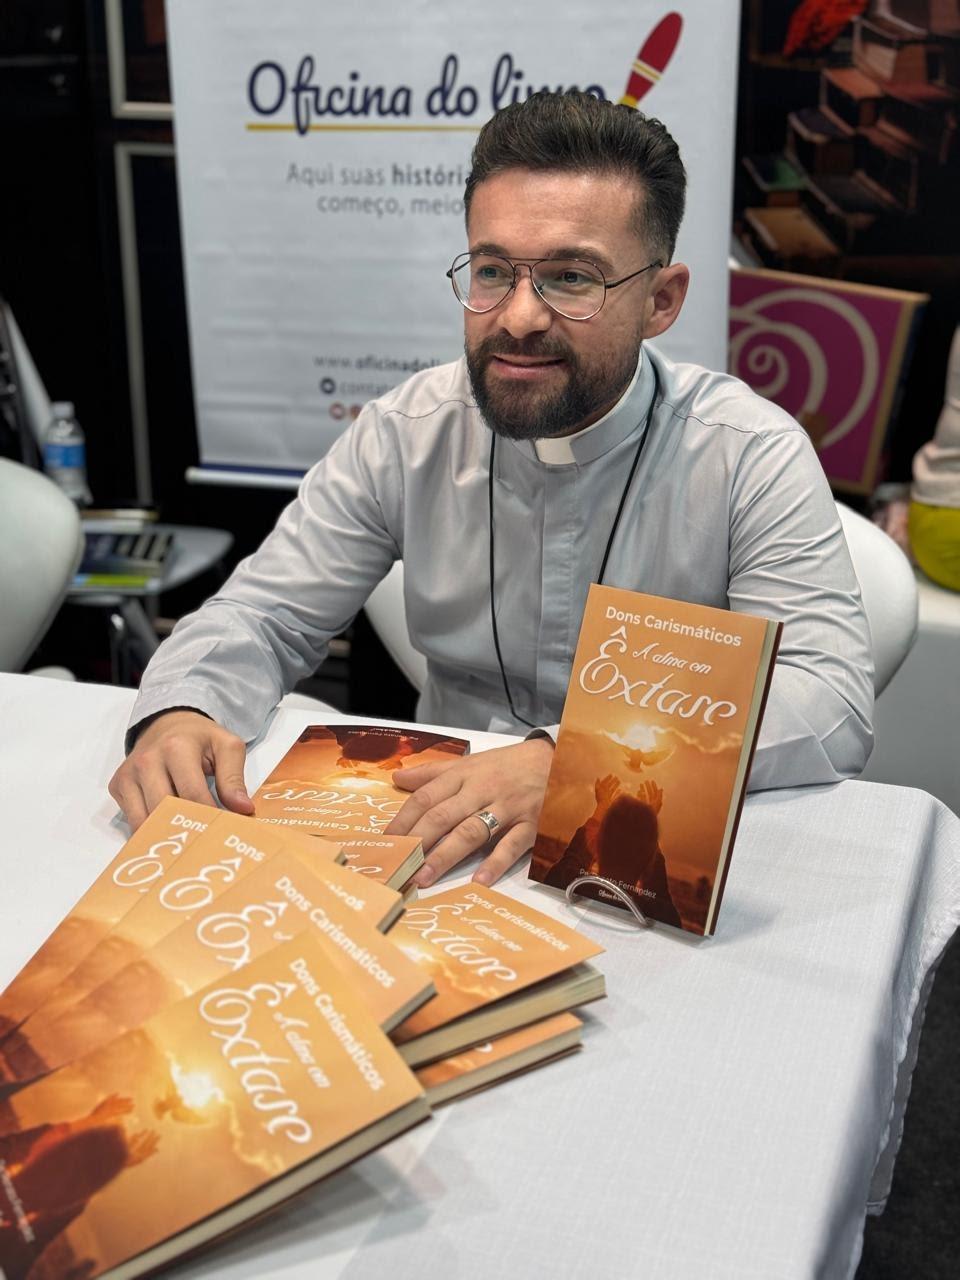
{"x":519,"y":412}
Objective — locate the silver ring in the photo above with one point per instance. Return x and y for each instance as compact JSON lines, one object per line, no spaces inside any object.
{"x":490,"y":822}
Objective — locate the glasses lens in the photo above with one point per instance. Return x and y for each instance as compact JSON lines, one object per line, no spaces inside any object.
{"x":481,"y":281}
{"x":572,"y":287}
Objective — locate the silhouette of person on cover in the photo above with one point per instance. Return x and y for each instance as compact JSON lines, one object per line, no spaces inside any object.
{"x":57,"y":1168}
{"x":621,"y":840}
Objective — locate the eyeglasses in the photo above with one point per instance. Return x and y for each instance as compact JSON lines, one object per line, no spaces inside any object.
{"x":573,"y":288}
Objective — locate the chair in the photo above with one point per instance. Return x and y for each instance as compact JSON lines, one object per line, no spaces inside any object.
{"x":889,"y":592}
{"x":40,"y":547}
{"x":388,"y":616}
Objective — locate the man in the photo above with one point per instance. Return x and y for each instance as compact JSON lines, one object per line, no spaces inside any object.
{"x":559,"y":452}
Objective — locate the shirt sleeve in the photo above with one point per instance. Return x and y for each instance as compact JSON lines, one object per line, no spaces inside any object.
{"x":271,"y":622}
{"x":789,"y":562}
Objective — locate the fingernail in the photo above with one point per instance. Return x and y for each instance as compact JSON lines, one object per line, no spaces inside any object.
{"x":425,"y":876}
{"x":483,"y":877}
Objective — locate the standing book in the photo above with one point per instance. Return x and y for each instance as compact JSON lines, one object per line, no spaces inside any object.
{"x":338,"y":778}
{"x":655,"y":744}
{"x":216,"y":1110}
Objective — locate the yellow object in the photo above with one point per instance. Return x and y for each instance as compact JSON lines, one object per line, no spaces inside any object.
{"x":935,"y":540}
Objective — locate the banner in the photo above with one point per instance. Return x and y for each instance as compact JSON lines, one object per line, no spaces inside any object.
{"x":322,"y":153}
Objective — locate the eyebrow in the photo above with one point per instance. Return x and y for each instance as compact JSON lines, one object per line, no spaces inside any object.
{"x":583,"y":252}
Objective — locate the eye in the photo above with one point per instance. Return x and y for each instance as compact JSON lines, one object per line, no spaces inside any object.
{"x":568,"y":277}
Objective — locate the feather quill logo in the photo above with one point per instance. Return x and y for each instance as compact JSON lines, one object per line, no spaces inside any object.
{"x":651,"y":62}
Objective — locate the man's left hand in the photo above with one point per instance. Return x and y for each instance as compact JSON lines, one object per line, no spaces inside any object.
{"x":508,"y":782}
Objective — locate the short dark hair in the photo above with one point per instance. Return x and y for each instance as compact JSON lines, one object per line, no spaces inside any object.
{"x":575,"y":132}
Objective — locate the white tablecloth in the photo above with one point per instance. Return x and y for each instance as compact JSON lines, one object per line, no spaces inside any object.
{"x":735,"y":1108}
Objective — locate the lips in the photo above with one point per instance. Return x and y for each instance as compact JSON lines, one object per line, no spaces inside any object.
{"x":524,"y":369}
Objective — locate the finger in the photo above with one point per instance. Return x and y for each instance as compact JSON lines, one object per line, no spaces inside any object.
{"x":129,"y":797}
{"x":435,"y":792}
{"x":186,"y":773}
{"x":510,"y":849}
{"x":156,"y":784}
{"x":419,"y":774}
{"x":228,"y":771}
{"x":466,"y":838}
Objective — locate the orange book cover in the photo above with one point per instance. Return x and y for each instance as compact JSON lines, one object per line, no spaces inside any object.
{"x":275,"y":902}
{"x":222,"y":1106}
{"x":495,"y":1060}
{"x":215,"y":859}
{"x":393,"y":860}
{"x":482,"y":951}
{"x":336,"y":778}
{"x":655,"y":744}
{"x":155,"y":846}
{"x":375,"y":901}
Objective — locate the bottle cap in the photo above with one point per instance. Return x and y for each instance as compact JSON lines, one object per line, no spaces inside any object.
{"x":62,"y":408}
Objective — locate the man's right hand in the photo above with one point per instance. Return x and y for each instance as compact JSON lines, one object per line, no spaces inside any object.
{"x":174,"y":756}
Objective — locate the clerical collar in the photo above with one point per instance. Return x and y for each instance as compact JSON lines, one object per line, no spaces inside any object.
{"x":558,"y":451}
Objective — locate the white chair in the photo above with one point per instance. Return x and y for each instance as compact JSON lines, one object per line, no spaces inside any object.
{"x":41,"y":543}
{"x":388,"y":616}
{"x":889,"y":592}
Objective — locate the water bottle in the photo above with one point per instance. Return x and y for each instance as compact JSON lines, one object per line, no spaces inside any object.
{"x":65,"y":453}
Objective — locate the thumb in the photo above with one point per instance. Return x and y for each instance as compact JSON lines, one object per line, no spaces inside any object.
{"x":228,"y":772}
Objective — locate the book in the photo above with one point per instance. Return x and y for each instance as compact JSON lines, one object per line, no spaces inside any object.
{"x":219,"y":856}
{"x":392,"y":860}
{"x":337,"y":778}
{"x":775,"y":180}
{"x":123,"y":558}
{"x":887,"y":50}
{"x":501,"y":1059}
{"x":650,"y":768}
{"x":939,"y":16}
{"x":155,"y":846}
{"x":276,"y":901}
{"x":851,"y":96}
{"x":820,"y":142}
{"x":923,"y":116}
{"x":497,"y":964}
{"x":221,"y":1107}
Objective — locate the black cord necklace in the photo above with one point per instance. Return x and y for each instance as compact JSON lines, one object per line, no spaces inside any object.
{"x":606,"y":554}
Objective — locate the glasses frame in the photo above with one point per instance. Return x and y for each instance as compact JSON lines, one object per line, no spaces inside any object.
{"x":463,"y":258}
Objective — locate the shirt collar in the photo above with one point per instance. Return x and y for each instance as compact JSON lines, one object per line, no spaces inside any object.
{"x":600,"y":437}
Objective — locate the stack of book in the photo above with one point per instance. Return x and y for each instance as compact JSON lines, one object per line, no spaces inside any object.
{"x":876,"y":157}
{"x":233,"y":1011}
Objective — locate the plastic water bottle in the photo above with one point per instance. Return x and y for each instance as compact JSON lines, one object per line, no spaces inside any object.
{"x":65,"y":453}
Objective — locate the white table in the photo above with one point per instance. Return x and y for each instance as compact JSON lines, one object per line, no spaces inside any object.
{"x":736,"y":1106}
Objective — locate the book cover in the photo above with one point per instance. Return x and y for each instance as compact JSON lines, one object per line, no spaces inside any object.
{"x":155,"y":846}
{"x":222,"y":1106}
{"x":495,"y":1060}
{"x":392,"y":860}
{"x":276,"y":901}
{"x":216,"y":858}
{"x":496,"y":963}
{"x":841,"y":351}
{"x":336,"y":778}
{"x":655,"y":743}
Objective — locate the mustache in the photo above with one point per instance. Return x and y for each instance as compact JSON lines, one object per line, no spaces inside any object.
{"x":535,"y":345}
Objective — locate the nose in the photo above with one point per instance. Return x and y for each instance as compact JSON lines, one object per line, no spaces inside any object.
{"x":524,"y":311}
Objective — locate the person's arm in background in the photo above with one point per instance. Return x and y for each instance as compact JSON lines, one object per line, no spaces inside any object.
{"x":789,"y":562}
{"x":267,"y":628}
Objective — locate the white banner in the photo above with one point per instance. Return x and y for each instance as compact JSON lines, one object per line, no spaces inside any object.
{"x":322,"y":152}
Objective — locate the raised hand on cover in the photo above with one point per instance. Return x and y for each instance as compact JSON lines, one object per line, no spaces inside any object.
{"x":508,"y":782}
{"x":651,"y":794}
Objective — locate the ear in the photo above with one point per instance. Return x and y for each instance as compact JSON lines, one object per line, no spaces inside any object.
{"x":665,"y":299}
